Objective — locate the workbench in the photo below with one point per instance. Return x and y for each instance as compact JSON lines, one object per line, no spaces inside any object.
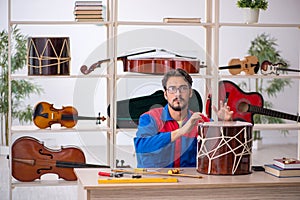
{"x":256,"y":185}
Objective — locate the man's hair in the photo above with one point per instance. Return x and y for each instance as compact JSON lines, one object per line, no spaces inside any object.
{"x":177,"y":73}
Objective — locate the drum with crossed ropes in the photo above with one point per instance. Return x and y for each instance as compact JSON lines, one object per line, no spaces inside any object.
{"x":224,"y":148}
{"x":48,"y":56}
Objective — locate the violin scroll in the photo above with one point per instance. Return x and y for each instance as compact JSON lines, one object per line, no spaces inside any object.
{"x":85,"y":70}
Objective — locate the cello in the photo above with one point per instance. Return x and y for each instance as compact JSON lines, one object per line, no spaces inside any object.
{"x":31,"y":159}
{"x":151,"y":65}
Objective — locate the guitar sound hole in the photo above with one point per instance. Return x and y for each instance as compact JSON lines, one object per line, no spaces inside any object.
{"x":243,"y":107}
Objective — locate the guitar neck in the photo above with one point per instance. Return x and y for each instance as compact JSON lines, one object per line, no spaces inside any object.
{"x":231,"y":67}
{"x":272,"y":113}
{"x":287,"y":69}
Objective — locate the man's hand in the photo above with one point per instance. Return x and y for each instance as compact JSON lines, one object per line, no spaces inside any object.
{"x":188,"y":127}
{"x":224,"y":113}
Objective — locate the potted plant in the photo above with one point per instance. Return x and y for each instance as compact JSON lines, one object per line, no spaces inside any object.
{"x":251,"y":9}
{"x":264,"y":48}
{"x":21,"y":89}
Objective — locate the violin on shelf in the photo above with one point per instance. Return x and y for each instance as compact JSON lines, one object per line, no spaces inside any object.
{"x":31,"y":159}
{"x":150,"y":64}
{"x":45,"y":115}
{"x":269,"y":68}
{"x":249,"y":65}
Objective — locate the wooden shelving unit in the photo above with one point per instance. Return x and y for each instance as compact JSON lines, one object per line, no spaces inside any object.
{"x":211,"y":26}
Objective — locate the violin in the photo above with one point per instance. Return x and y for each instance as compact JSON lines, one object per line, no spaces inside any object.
{"x":31,"y":159}
{"x":269,"y":68}
{"x":249,"y":65}
{"x":45,"y":115}
{"x":151,"y":65}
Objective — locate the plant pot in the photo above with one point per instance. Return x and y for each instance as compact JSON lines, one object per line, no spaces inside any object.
{"x":251,"y":15}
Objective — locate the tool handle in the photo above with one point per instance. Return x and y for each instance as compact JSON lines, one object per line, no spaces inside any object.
{"x":105,"y":174}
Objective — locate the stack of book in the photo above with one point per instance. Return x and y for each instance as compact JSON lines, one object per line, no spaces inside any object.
{"x":88,"y":11}
{"x":285,"y":167}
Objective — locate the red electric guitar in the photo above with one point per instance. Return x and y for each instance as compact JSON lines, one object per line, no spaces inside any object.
{"x":245,"y":104}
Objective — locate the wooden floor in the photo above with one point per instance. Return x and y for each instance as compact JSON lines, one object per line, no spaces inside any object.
{"x":263,"y":155}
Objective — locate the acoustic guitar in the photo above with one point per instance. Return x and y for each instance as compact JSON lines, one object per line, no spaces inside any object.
{"x":245,"y":104}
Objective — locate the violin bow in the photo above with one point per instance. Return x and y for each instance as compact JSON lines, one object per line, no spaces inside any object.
{"x":175,"y":54}
{"x":85,"y":70}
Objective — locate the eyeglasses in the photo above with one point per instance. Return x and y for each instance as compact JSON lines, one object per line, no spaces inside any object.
{"x":181,"y":89}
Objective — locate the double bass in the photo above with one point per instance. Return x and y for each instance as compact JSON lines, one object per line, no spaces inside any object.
{"x":151,"y":65}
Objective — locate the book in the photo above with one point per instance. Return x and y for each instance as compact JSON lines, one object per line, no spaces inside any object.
{"x":281,"y":173}
{"x":181,"y":20}
{"x":287,"y":163}
{"x":89,"y":20}
{"x":88,"y":3}
{"x":88,"y":8}
{"x":88,"y":16}
{"x":87,"y":12}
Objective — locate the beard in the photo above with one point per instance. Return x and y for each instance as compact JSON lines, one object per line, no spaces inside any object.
{"x":178,"y":107}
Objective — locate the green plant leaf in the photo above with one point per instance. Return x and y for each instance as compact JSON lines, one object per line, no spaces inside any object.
{"x":20,"y":89}
{"x":264,"y":47}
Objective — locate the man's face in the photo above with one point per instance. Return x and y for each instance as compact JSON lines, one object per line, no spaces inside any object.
{"x":178,"y":93}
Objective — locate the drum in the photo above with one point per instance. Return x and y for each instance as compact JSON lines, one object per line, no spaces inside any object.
{"x":48,"y":56}
{"x":224,"y":148}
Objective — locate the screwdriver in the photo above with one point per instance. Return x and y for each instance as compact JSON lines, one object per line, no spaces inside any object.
{"x":117,"y":175}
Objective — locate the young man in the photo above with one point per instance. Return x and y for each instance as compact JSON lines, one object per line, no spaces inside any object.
{"x":167,"y":137}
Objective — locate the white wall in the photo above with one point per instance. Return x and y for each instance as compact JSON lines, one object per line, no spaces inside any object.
{"x":88,"y":46}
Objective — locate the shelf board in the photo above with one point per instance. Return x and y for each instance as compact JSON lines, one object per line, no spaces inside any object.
{"x":151,"y":76}
{"x":143,"y":75}
{"x":255,"y":127}
{"x":54,"y":129}
{"x":44,"y":183}
{"x":25,"y":76}
{"x":276,"y":126}
{"x":256,"y":76}
{"x":261,"y":25}
{"x":23,"y":22}
{"x":137,"y":23}
{"x":140,"y":23}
